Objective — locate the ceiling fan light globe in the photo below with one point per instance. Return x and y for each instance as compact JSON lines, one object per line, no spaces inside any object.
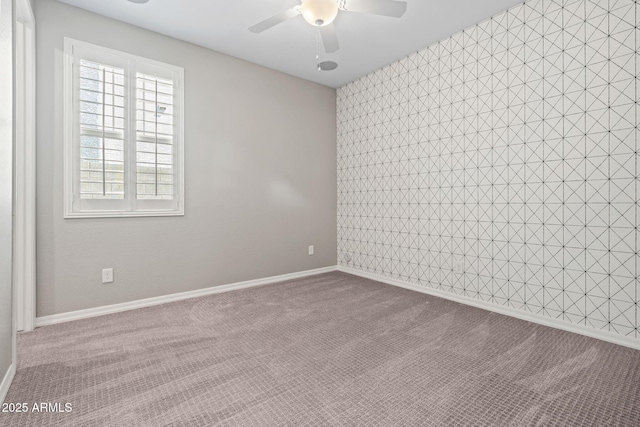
{"x":319,"y":12}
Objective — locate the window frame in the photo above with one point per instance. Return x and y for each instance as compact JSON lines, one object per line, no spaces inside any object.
{"x":130,"y":206}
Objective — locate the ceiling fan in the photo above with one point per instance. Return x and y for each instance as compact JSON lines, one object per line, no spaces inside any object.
{"x":321,"y":13}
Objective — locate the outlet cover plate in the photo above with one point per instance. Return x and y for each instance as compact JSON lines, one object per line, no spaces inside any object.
{"x":107,"y":275}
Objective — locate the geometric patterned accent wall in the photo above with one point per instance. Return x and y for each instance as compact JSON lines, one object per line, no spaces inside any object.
{"x":501,"y":164}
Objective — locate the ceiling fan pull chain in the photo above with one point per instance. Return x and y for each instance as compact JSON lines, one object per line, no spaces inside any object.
{"x":318,"y":37}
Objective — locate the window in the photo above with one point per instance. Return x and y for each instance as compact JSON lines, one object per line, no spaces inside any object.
{"x":123,"y":134}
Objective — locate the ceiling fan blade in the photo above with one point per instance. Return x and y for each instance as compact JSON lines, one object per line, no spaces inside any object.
{"x":275,"y":20}
{"x":329,"y":38}
{"x":391,"y":8}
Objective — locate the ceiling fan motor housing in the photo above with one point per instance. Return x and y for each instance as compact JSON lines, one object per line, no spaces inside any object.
{"x":319,"y":12}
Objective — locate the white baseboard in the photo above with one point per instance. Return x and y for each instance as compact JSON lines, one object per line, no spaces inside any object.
{"x":6,"y":382}
{"x":132,"y":305}
{"x":507,"y":311}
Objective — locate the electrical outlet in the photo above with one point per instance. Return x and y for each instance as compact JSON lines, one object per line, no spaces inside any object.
{"x":107,"y":275}
{"x":311,"y":250}
{"x":347,"y":258}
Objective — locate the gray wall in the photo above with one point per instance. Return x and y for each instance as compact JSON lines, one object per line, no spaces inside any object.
{"x":512,"y":149}
{"x":260,"y":174}
{"x":6,"y":180}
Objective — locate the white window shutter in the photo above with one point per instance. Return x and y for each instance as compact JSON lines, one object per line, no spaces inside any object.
{"x":155,"y":158}
{"x":123,"y":144}
{"x":101,"y":108}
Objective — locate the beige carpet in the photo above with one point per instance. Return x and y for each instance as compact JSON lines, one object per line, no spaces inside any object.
{"x":332,"y":349}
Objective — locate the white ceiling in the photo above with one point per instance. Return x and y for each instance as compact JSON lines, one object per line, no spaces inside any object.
{"x":367,"y":42}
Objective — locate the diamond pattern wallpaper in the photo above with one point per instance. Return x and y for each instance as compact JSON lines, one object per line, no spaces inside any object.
{"x":501,"y":164}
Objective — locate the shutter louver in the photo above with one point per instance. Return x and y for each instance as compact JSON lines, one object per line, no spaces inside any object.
{"x":154,"y":138}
